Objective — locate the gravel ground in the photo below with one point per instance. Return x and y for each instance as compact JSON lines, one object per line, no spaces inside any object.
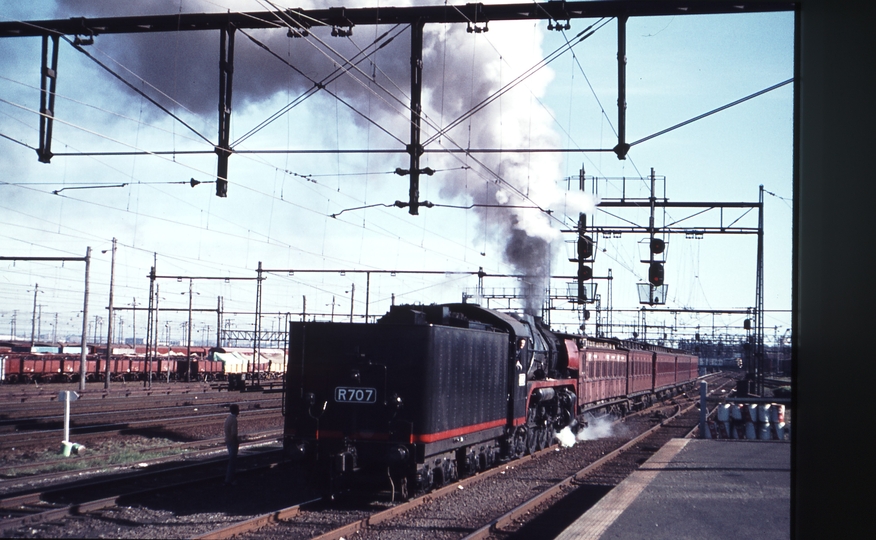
{"x":198,"y":509}
{"x":201,"y":508}
{"x":182,"y":512}
{"x":459,"y":513}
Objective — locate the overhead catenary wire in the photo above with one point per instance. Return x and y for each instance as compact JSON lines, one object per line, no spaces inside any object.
{"x":16,"y":141}
{"x":317,"y":85}
{"x":713,"y":111}
{"x":581,"y":36}
{"x":137,"y":90}
{"x":422,"y":116}
{"x":267,"y":240}
{"x":483,"y":165}
{"x":120,"y":116}
{"x":202,"y":172}
{"x":438,"y":205}
{"x":346,"y":65}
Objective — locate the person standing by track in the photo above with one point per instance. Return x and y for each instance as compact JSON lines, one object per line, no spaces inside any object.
{"x":232,"y":443}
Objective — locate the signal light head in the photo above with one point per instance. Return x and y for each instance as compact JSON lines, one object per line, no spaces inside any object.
{"x":657,"y":245}
{"x":585,"y":273}
{"x":585,"y":248}
{"x":655,"y":274}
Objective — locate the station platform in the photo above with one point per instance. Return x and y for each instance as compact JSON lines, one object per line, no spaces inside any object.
{"x":695,"y":488}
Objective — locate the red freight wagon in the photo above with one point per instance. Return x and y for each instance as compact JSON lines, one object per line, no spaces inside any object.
{"x":68,"y":368}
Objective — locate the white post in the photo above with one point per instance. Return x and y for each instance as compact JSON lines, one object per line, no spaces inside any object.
{"x":704,"y":411}
{"x":67,"y":396}
{"x":66,"y":420}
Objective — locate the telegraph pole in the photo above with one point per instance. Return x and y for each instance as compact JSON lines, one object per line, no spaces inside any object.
{"x":256,"y":342}
{"x":134,"y":326}
{"x":109,"y":331}
{"x":189,"y":341}
{"x":36,"y":289}
{"x":218,"y":321}
{"x":83,"y":357}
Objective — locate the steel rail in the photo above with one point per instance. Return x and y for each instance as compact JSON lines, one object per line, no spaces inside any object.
{"x":33,"y":438}
{"x":346,"y":530}
{"x":201,"y":448}
{"x":97,"y":504}
{"x":102,"y":409}
{"x":379,"y":517}
{"x":517,"y":512}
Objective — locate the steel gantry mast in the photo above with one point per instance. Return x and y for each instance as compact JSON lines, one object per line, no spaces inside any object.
{"x":755,"y":361}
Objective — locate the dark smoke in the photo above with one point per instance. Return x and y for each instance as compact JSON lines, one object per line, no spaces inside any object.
{"x":531,"y":256}
{"x":185,"y":65}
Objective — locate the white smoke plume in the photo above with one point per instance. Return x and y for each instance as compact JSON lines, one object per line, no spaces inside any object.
{"x":566,"y":437}
{"x":597,"y":428}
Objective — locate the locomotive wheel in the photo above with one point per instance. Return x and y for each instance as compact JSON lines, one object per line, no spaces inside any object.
{"x":539,"y":438}
{"x":519,"y":443}
{"x":491,"y":457}
{"x":532,"y":439}
{"x":404,"y":492}
{"x":548,"y":437}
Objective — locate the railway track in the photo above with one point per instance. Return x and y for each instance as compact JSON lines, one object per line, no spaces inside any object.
{"x":544,"y":516}
{"x":30,"y":507}
{"x":50,"y":410}
{"x":441,"y":517}
{"x":86,"y":433}
{"x":19,"y":393}
{"x":205,"y":510}
{"x":110,"y":415}
{"x":27,"y":475}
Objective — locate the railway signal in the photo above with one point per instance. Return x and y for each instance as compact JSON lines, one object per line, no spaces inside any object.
{"x":655,"y":274}
{"x":585,"y":254}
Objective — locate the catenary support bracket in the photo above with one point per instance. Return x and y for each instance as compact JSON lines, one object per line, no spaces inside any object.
{"x":226,"y":76}
{"x":415,"y":149}
{"x":622,"y":147}
{"x":48,"y":78}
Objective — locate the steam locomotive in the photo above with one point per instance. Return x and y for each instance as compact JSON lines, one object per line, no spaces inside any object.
{"x":433,"y":392}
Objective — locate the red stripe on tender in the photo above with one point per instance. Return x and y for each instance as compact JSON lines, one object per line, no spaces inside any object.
{"x":425,"y":438}
{"x":432,"y":437}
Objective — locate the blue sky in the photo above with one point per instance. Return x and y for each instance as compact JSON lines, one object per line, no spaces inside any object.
{"x":279,"y":206}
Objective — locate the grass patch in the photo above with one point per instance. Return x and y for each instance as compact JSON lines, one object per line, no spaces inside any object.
{"x":131,"y":456}
{"x":105,"y":453}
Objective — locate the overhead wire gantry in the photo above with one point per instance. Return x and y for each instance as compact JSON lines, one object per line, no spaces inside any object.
{"x":342,"y":20}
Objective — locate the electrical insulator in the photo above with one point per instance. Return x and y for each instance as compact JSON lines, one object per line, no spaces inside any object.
{"x":655,"y":274}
